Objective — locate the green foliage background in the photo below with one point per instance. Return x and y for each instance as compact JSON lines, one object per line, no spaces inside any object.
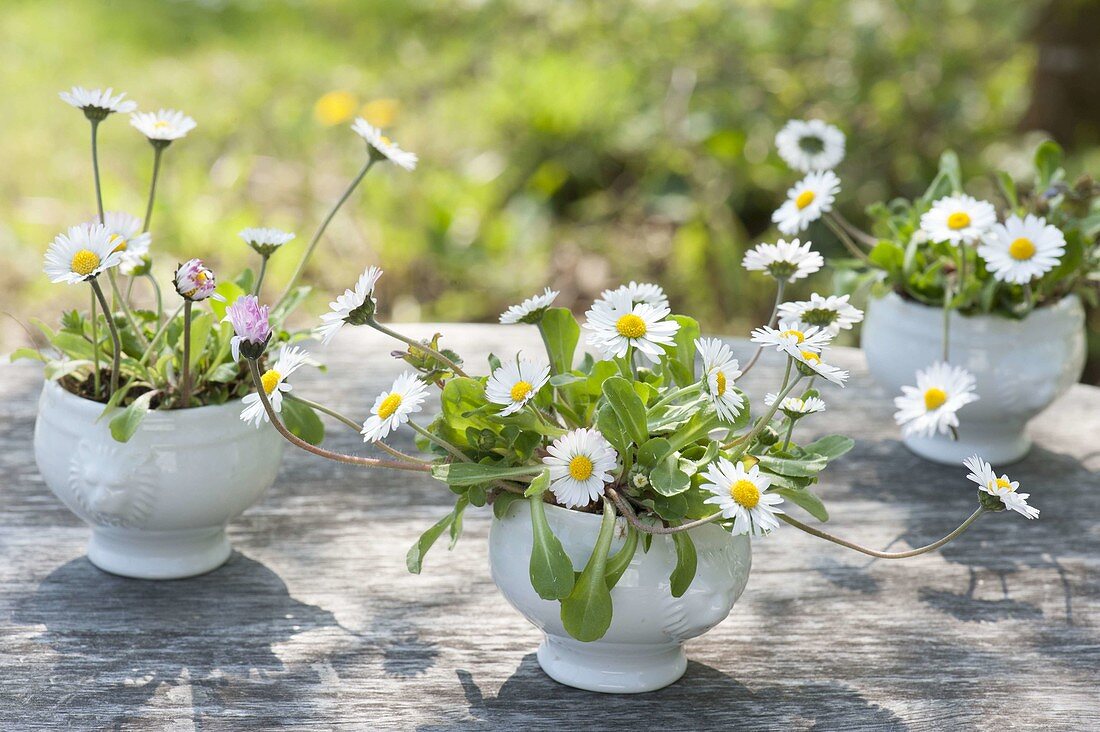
{"x":571,"y":144}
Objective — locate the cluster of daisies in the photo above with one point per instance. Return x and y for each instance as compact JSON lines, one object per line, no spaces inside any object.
{"x":1017,"y":250}
{"x":118,"y":241}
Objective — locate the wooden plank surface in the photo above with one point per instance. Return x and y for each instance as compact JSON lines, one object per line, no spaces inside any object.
{"x":316,"y":624}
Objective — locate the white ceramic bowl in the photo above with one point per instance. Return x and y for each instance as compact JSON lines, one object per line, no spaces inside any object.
{"x":643,"y":648}
{"x":1020,"y":366}
{"x":158,"y":505}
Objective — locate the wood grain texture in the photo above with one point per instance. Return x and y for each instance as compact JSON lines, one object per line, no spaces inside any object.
{"x":316,"y":624}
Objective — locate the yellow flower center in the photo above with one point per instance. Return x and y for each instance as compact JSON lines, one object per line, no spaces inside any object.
{"x":934,"y":398}
{"x":270,"y":380}
{"x":161,"y":124}
{"x":805,"y":198}
{"x":122,"y":243}
{"x":84,"y":262}
{"x":201,"y":276}
{"x":1001,"y":483}
{"x":631,"y":326}
{"x":798,"y":335}
{"x":383,"y":140}
{"x":720,"y":381}
{"x":520,"y":391}
{"x":580,"y":467}
{"x":1021,"y":249}
{"x":745,"y":493}
{"x":389,"y":405}
{"x":810,"y":357}
{"x":958,"y":220}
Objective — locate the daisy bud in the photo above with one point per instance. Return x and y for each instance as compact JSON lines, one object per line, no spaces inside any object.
{"x":768,"y":436}
{"x":195,"y":282}
{"x":251,"y":328}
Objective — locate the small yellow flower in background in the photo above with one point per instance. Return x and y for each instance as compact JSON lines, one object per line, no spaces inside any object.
{"x":335,"y":108}
{"x":380,"y":112}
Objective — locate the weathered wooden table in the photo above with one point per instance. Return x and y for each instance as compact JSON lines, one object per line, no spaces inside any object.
{"x":315,"y":622}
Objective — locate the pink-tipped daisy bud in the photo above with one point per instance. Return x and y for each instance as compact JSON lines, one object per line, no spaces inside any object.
{"x":195,"y":282}
{"x":250,"y":326}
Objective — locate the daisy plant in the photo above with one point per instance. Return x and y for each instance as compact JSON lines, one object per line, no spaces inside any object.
{"x":947,"y":250}
{"x":644,"y":426}
{"x":1033,"y":245}
{"x":148,"y":347}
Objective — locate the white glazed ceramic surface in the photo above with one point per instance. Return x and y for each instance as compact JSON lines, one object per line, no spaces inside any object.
{"x":1021,"y":366}
{"x":643,"y":648}
{"x":158,"y":504}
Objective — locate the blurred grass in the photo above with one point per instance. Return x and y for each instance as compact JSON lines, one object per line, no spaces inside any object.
{"x":571,"y":144}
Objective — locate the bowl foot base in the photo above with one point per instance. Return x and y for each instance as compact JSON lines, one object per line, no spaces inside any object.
{"x":1000,"y":444}
{"x":158,"y":555}
{"x":613,"y":668}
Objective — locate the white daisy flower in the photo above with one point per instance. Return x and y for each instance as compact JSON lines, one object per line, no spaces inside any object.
{"x":982,"y":473}
{"x":742,"y":495}
{"x":98,"y":103}
{"x":811,"y":364}
{"x":129,"y":239}
{"x":392,"y":408}
{"x":792,"y":337}
{"x":796,"y":407}
{"x":289,"y":360}
{"x":530,"y":310}
{"x":380,"y":145}
{"x":641,"y":292}
{"x":349,"y":307}
{"x":719,"y":372}
{"x":808,"y":145}
{"x":580,"y":463}
{"x":265,"y":240}
{"x":1019,"y":250}
{"x":832,"y":314}
{"x":958,"y":219}
{"x":616,"y":324}
{"x":516,"y":383}
{"x":782,"y":260}
{"x":164,"y":125}
{"x":932,"y":405}
{"x":84,"y":252}
{"x":806,"y":201}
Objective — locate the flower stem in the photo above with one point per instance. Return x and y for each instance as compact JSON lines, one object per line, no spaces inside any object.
{"x":439,"y":441}
{"x":766,"y":419}
{"x":117,"y":295}
{"x":422,"y":346}
{"x":884,"y":555}
{"x":320,"y":451}
{"x":779,"y":287}
{"x":185,"y":384}
{"x":845,"y":239}
{"x":260,"y":277}
{"x":157,"y":151}
{"x":321,"y":230}
{"x":325,"y":410}
{"x":95,"y":168}
{"x":160,"y":300}
{"x":860,"y":235}
{"x":674,"y":394}
{"x":116,"y":343}
{"x":95,"y":346}
{"x":155,"y":340}
{"x":787,"y":439}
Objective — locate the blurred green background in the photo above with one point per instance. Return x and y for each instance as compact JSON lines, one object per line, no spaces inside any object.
{"x":572,"y":144}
